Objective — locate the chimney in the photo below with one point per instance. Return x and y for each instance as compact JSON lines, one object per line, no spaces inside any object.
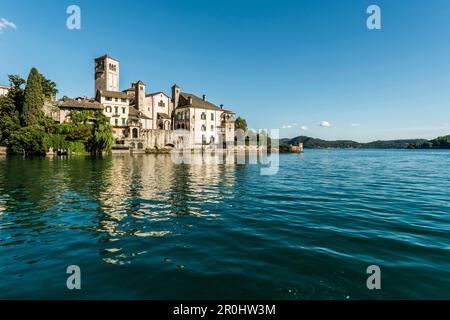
{"x":204,"y":97}
{"x":139,"y":94}
{"x":221,"y":106}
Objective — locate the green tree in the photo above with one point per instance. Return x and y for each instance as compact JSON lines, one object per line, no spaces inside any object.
{"x":32,"y":140}
{"x":9,"y":119}
{"x":17,"y":92}
{"x":241,"y":123}
{"x":34,"y":100}
{"x":48,"y":88}
{"x":16,"y":81}
{"x":101,"y":140}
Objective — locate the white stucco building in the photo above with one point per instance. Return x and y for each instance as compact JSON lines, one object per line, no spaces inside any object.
{"x":206,"y":122}
{"x":4,"y":90}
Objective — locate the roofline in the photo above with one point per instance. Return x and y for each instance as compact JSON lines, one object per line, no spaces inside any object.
{"x":194,"y":107}
{"x":155,"y":93}
{"x":207,"y":101}
{"x":106,"y":56}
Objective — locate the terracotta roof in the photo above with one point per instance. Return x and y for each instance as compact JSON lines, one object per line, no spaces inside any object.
{"x":81,"y":104}
{"x":114,"y":94}
{"x":198,"y":102}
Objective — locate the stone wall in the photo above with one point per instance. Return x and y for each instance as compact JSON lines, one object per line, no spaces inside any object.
{"x":151,"y":139}
{"x":157,"y":139}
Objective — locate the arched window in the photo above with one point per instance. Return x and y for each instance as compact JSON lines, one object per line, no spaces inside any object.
{"x":135,"y":133}
{"x":140,"y":145}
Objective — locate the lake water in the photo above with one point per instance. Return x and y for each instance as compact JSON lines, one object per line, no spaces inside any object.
{"x":141,"y":227}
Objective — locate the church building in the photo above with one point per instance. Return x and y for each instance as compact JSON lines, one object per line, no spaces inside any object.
{"x":135,"y":114}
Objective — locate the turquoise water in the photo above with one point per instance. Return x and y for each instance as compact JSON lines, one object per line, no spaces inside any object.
{"x":142,"y":227}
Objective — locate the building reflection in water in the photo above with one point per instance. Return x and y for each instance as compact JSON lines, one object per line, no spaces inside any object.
{"x":146,"y":196}
{"x":119,"y":204}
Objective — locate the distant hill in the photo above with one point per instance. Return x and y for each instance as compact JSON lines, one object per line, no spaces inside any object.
{"x":314,"y":143}
{"x":438,"y":143}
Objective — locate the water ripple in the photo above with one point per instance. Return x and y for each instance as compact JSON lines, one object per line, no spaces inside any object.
{"x":143,"y":227}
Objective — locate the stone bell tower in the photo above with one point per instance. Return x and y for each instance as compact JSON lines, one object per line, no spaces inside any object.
{"x":106,"y":74}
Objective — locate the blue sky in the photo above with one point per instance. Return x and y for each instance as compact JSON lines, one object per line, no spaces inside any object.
{"x":276,"y":63}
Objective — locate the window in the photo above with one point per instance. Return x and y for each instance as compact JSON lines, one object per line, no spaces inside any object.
{"x":212,"y":127}
{"x":124,"y":110}
{"x":212,"y":116}
{"x":116,"y":110}
{"x":123,"y":121}
{"x":203,"y":138}
{"x":116,"y":121}
{"x":161,"y":104}
{"x":123,"y":100}
{"x":116,"y":99}
{"x":203,"y":127}
{"x":108,"y":99}
{"x":108,"y":108}
{"x":203,"y":117}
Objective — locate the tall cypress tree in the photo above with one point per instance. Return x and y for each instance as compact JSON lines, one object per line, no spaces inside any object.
{"x":34,"y":99}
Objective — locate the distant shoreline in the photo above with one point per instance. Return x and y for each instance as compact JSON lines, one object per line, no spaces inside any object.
{"x":314,"y":143}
